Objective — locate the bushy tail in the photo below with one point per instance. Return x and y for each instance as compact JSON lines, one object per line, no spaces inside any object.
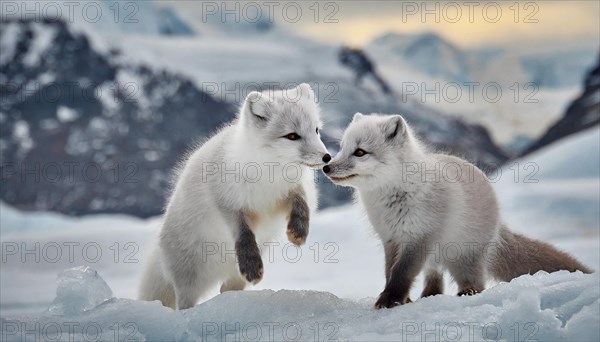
{"x":517,"y":255}
{"x":154,"y":285}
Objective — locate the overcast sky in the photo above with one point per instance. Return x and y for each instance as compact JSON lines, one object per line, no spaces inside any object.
{"x":466,"y":23}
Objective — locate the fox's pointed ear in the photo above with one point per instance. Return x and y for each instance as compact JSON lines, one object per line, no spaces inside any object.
{"x":256,"y":107}
{"x":357,"y":117}
{"x":393,"y":127}
{"x":306,"y":91}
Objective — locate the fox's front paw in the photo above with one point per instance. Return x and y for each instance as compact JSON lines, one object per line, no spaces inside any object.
{"x":386,"y":300}
{"x":251,"y":268}
{"x":297,"y":230}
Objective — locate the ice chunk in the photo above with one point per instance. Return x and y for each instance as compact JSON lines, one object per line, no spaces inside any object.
{"x":79,"y":289}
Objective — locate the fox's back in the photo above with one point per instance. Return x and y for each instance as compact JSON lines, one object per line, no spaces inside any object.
{"x":474,"y":216}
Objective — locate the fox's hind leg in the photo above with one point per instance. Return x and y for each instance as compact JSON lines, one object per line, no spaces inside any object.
{"x":233,"y":284}
{"x":469,"y":273}
{"x":186,"y":268}
{"x":434,"y":280}
{"x":188,"y":293}
{"x":188,"y":282}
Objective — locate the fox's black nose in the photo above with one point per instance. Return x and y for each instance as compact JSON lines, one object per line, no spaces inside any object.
{"x":326,"y":168}
{"x":326,"y":158}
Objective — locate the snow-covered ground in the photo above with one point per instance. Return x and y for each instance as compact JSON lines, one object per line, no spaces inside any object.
{"x":542,"y":307}
{"x":328,"y":286}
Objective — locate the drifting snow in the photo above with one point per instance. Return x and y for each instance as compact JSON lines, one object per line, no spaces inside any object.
{"x":559,"y":306}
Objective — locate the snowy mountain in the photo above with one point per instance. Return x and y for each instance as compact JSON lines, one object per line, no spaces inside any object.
{"x":130,"y":110}
{"x":219,"y":21}
{"x":64,"y":103}
{"x":138,"y":17}
{"x":515,"y":91}
{"x":583,"y":113}
{"x":426,"y":52}
{"x":169,"y":23}
{"x":435,"y":56}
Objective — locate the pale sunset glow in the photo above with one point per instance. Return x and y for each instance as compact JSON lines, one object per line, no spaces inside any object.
{"x":479,"y":23}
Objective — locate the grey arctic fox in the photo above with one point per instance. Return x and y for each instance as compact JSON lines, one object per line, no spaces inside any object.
{"x":233,"y":194}
{"x":414,"y":211}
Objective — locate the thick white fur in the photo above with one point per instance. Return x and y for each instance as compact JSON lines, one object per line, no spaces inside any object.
{"x":203,"y":208}
{"x":442,"y":207}
{"x":455,"y":209}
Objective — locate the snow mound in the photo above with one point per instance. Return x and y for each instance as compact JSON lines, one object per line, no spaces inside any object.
{"x":558,"y":306}
{"x":553,"y":193}
{"x":576,"y":156}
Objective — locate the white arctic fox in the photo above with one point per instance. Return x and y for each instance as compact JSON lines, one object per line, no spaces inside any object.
{"x":434,"y":211}
{"x":233,"y":194}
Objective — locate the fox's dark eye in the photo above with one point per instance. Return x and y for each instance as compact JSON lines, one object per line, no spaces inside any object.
{"x":317,"y":130}
{"x":293,"y":136}
{"x":359,"y":152}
